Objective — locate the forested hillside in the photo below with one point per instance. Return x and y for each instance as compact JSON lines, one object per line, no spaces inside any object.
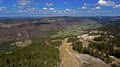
{"x":38,"y":54}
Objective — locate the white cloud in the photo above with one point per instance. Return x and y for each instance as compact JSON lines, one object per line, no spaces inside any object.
{"x":22,"y":11}
{"x":86,"y":4}
{"x":97,"y":8}
{"x":106,"y":3}
{"x":19,"y":6}
{"x":52,"y":9}
{"x":28,"y":10}
{"x":45,"y":8}
{"x":116,"y":6}
{"x":24,"y":2}
{"x":49,"y":9}
{"x":49,"y":4}
{"x":2,"y":8}
{"x":68,"y":10}
{"x":84,"y":7}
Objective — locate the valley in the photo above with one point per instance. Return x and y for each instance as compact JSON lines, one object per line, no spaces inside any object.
{"x":59,"y":42}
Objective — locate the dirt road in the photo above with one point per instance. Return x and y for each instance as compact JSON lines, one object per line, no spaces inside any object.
{"x":68,"y":58}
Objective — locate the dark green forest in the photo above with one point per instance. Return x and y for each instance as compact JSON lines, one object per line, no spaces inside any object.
{"x":38,"y":54}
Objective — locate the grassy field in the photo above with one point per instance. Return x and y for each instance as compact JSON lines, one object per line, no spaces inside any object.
{"x":76,"y":29}
{"x":23,"y":44}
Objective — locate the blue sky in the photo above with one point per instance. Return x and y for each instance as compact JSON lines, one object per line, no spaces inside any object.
{"x":59,"y":7}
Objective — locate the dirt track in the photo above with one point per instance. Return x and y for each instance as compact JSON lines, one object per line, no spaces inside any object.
{"x":71,"y":58}
{"x":68,"y":58}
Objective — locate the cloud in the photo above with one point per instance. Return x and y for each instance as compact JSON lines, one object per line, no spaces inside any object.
{"x":68,"y":10}
{"x":20,"y":11}
{"x":31,"y":9}
{"x":97,"y":8}
{"x":84,"y":7}
{"x":86,"y":4}
{"x":52,"y":9}
{"x":45,"y":8}
{"x":106,"y":3}
{"x":2,"y":8}
{"x":116,"y":6}
{"x":49,"y":4}
{"x":49,"y":9}
{"x":24,"y":2}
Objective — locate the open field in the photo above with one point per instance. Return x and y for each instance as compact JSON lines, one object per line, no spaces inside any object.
{"x":76,"y":29}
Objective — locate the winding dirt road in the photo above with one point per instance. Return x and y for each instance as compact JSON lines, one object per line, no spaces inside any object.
{"x":68,"y":58}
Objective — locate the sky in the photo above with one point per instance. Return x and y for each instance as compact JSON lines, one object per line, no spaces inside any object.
{"x":40,"y":8}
